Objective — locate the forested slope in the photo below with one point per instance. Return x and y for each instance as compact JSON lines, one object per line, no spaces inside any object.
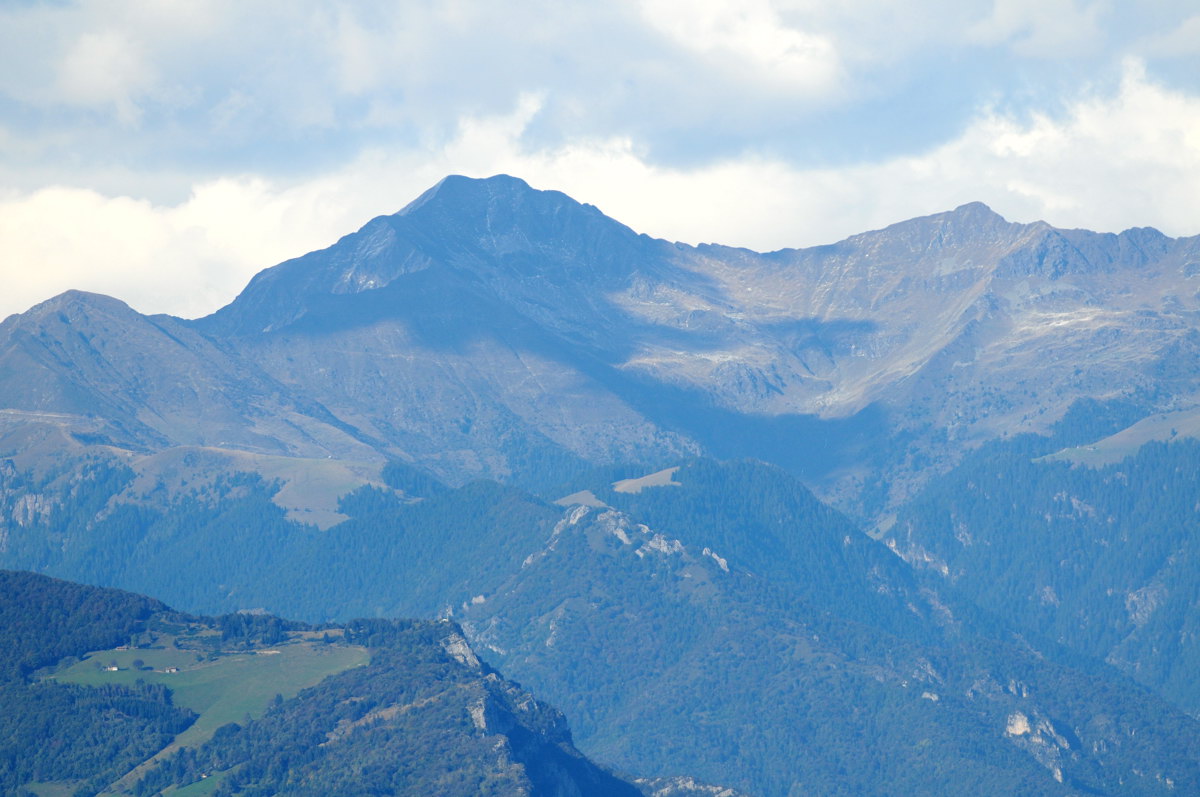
{"x":422,"y":716}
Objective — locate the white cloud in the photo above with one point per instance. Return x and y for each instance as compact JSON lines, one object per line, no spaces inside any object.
{"x":152,"y":97}
{"x":867,"y":33}
{"x":217,"y":85}
{"x":1042,"y":28}
{"x":1182,"y":40}
{"x":106,"y":52}
{"x":186,"y":259}
{"x":751,"y":34}
{"x":1114,"y":162}
{"x":1128,"y":158}
{"x":1124,"y":159}
{"x":105,"y":68}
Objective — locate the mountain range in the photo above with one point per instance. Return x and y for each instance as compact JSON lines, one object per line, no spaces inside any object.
{"x":922,"y":498}
{"x":491,"y":330}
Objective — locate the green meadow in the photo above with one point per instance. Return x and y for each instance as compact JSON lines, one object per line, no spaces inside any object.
{"x":221,"y":688}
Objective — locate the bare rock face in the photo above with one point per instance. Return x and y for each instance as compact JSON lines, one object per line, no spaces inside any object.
{"x":489,"y":329}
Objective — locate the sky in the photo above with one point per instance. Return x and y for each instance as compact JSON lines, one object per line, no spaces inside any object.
{"x":164,"y":151}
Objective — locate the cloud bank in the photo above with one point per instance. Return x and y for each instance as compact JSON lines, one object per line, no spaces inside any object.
{"x":164,"y":152}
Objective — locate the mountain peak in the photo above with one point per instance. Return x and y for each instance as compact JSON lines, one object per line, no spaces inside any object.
{"x":72,"y":304}
{"x":75,"y":298}
{"x":494,"y":206}
{"x":972,"y":214}
{"x":975,"y":208}
{"x":498,"y":230}
{"x":458,"y":188}
{"x":967,"y":225}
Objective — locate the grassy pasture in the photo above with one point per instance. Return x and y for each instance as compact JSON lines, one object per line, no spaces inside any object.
{"x":200,"y":788}
{"x":225,"y":689}
{"x":65,"y":788}
{"x":1125,"y":443}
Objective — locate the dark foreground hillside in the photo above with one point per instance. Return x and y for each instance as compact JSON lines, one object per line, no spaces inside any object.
{"x":406,"y":707}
